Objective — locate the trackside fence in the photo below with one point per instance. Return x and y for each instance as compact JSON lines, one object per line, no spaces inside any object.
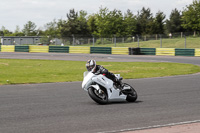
{"x":101,"y":50}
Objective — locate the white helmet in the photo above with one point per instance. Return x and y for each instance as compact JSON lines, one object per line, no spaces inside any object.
{"x":91,"y":65}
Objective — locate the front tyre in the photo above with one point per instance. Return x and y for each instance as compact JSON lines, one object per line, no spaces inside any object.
{"x":98,"y":96}
{"x":130,"y":92}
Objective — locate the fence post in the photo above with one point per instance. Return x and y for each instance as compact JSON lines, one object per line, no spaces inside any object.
{"x":73,"y":39}
{"x":19,"y":40}
{"x":185,"y":40}
{"x":160,"y":41}
{"x":115,"y":40}
{"x":138,"y":39}
{"x":93,"y":40}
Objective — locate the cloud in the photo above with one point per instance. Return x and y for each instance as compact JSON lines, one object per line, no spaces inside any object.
{"x":123,"y":5}
{"x":184,"y":2}
{"x":19,"y":12}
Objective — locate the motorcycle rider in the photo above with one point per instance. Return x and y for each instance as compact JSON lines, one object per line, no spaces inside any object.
{"x":98,"y":69}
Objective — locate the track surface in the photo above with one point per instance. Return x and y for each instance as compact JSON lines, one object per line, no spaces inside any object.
{"x":65,"y":107}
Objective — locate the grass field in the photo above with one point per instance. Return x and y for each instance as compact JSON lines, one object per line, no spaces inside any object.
{"x":166,"y":43}
{"x":17,"y":71}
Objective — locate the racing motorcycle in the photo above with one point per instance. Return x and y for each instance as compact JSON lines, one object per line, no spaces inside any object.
{"x":103,"y":90}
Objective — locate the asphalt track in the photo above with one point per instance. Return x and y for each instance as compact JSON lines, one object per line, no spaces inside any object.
{"x":66,"y":108}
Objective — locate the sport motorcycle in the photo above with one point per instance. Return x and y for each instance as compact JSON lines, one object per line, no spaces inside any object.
{"x":103,"y":90}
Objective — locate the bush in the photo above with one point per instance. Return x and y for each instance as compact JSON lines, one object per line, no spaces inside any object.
{"x":104,"y":41}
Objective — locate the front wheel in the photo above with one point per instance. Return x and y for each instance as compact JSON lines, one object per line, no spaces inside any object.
{"x":130,"y":92}
{"x":98,"y":96}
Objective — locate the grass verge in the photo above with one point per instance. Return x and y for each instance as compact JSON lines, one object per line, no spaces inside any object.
{"x":166,"y":43}
{"x":19,"y":71}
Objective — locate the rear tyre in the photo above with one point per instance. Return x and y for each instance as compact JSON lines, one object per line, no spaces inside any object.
{"x":130,"y":92}
{"x":98,"y":96}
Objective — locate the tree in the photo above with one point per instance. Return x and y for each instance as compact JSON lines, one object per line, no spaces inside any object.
{"x":191,"y":16}
{"x":91,"y":22}
{"x":71,"y":25}
{"x":109,"y":23}
{"x":18,"y":32}
{"x":174,"y":23}
{"x":130,"y":23}
{"x":82,"y":21}
{"x":115,"y":23}
{"x":5,"y":32}
{"x":75,"y":24}
{"x":51,"y":29}
{"x":145,"y":22}
{"x":1,"y":33}
{"x":102,"y":22}
{"x":159,"y":23}
{"x":29,"y":29}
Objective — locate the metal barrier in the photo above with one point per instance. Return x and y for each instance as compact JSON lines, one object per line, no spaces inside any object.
{"x":38,"y":49}
{"x":120,"y":50}
{"x":59,"y":49}
{"x":165,"y":51}
{"x":102,"y":50}
{"x":184,"y":52}
{"x":21,"y":48}
{"x":147,"y":51}
{"x":197,"y":52}
{"x":79,"y":49}
{"x":7,"y":48}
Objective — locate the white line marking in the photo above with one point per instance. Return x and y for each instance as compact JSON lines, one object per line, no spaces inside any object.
{"x":150,"y":127}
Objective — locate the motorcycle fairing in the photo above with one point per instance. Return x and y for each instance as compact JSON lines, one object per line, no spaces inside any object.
{"x":113,"y":94}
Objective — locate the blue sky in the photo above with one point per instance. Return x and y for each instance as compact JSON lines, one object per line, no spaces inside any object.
{"x":19,"y":12}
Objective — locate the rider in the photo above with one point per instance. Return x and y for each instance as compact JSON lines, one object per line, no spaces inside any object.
{"x":98,"y":69}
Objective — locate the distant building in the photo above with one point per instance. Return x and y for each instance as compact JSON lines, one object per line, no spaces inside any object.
{"x":16,"y":40}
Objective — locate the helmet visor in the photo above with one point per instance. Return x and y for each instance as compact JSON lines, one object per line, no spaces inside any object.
{"x":90,"y":67}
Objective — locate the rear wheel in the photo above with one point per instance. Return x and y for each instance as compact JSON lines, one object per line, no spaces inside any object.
{"x":98,"y":96}
{"x":130,"y":92}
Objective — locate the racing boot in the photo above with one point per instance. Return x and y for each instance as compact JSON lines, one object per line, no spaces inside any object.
{"x":118,"y":84}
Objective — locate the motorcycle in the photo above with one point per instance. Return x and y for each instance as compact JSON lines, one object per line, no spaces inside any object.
{"x":103,"y":90}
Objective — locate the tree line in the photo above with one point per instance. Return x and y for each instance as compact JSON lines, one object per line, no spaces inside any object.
{"x":106,"y":23}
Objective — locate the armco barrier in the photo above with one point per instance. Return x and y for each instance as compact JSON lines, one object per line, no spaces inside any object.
{"x":184,"y":52}
{"x":7,"y":48}
{"x":197,"y":52}
{"x":59,"y":49}
{"x":147,"y":51}
{"x":165,"y":51}
{"x":79,"y":49}
{"x":100,"y":50}
{"x":38,"y":49}
{"x":120,"y":50}
{"x":21,"y":48}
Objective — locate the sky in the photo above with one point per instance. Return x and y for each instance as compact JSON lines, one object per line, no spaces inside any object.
{"x":18,"y":12}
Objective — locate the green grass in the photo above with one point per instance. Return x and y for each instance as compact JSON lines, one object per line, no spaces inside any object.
{"x":191,"y":42}
{"x":17,"y":71}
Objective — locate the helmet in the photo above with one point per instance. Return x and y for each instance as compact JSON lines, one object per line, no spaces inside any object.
{"x":91,"y":65}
